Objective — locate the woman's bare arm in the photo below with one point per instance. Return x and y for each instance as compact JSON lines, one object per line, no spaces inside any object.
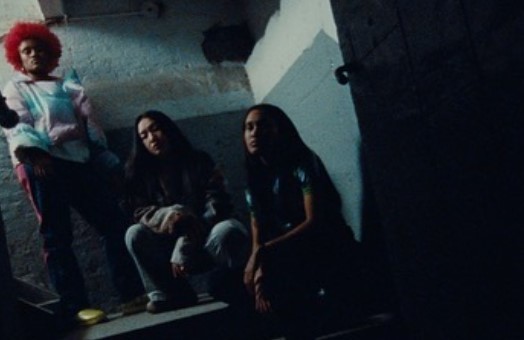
{"x":301,"y":228}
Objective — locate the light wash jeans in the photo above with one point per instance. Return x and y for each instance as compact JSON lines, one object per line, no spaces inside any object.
{"x":227,"y":244}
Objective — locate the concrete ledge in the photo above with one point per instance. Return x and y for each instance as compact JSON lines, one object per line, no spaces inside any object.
{"x":127,"y":326}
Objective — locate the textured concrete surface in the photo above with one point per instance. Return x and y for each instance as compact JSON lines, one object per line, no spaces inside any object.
{"x":131,"y":326}
{"x":10,"y":11}
{"x":289,"y":32}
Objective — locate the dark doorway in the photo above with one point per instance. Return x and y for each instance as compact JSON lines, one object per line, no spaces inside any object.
{"x":437,"y":87}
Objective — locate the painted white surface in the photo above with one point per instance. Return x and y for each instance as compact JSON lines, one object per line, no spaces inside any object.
{"x":13,"y":10}
{"x":289,"y":32}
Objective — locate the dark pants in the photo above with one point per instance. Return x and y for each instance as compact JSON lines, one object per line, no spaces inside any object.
{"x":292,"y":282}
{"x":76,"y":185}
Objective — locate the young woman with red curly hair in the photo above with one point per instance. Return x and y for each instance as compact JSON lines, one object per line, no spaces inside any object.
{"x":21,"y":32}
{"x":50,"y":148}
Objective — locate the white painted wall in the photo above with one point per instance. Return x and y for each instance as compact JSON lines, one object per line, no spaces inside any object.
{"x":292,"y":66}
{"x":289,"y":32}
{"x":11,"y":11}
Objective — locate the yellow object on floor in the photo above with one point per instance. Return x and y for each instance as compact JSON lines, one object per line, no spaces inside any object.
{"x":88,"y":317}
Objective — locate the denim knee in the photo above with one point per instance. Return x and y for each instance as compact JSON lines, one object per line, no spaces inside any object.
{"x":133,"y":236}
{"x":228,"y":244}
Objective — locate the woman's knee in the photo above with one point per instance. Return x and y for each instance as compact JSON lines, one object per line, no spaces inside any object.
{"x":225,"y":233}
{"x":227,"y":243}
{"x":134,"y":236}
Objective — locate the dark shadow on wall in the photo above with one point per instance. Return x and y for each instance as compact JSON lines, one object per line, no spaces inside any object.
{"x":259,"y":13}
{"x":227,"y":43}
{"x":379,"y":290}
{"x":440,"y":106}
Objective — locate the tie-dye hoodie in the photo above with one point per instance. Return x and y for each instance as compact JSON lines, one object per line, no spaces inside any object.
{"x":55,"y":116}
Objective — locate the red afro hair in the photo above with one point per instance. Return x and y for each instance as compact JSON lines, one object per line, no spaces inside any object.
{"x":28,"y":30}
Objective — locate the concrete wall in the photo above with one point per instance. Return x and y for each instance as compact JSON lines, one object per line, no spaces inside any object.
{"x":131,"y":63}
{"x":10,"y":11}
{"x":288,"y":33}
{"x":292,"y":66}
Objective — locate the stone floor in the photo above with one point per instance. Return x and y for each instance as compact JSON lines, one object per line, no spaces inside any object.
{"x":143,"y":325}
{"x":210,"y":320}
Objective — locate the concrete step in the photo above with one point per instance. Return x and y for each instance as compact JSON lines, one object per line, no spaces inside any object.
{"x":37,"y":309}
{"x":212,"y":319}
{"x":376,"y":327}
{"x":35,"y":295}
{"x":209,"y":319}
{"x":195,"y":322}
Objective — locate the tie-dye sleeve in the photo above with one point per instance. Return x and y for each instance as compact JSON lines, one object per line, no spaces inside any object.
{"x":22,"y":135}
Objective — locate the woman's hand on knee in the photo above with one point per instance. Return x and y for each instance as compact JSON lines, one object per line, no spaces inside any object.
{"x":262,"y":303}
{"x":178,"y":270}
{"x":248,"y":280}
{"x":249,"y":274}
{"x":169,"y":223}
{"x":252,"y":265}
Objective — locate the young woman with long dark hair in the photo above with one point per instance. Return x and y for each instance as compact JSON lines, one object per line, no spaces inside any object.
{"x":182,"y":211}
{"x":296,"y":220}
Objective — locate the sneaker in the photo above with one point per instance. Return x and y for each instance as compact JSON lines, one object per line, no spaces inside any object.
{"x":161,"y":306}
{"x":135,"y":305}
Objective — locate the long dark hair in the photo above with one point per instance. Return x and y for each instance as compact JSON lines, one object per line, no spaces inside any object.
{"x":140,"y":159}
{"x":289,"y":151}
{"x":289,"y":145}
{"x":141,"y":164}
{"x":289,"y":148}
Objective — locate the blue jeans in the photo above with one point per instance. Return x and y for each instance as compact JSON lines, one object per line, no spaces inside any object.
{"x":76,"y":185}
{"x":227,"y":245}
